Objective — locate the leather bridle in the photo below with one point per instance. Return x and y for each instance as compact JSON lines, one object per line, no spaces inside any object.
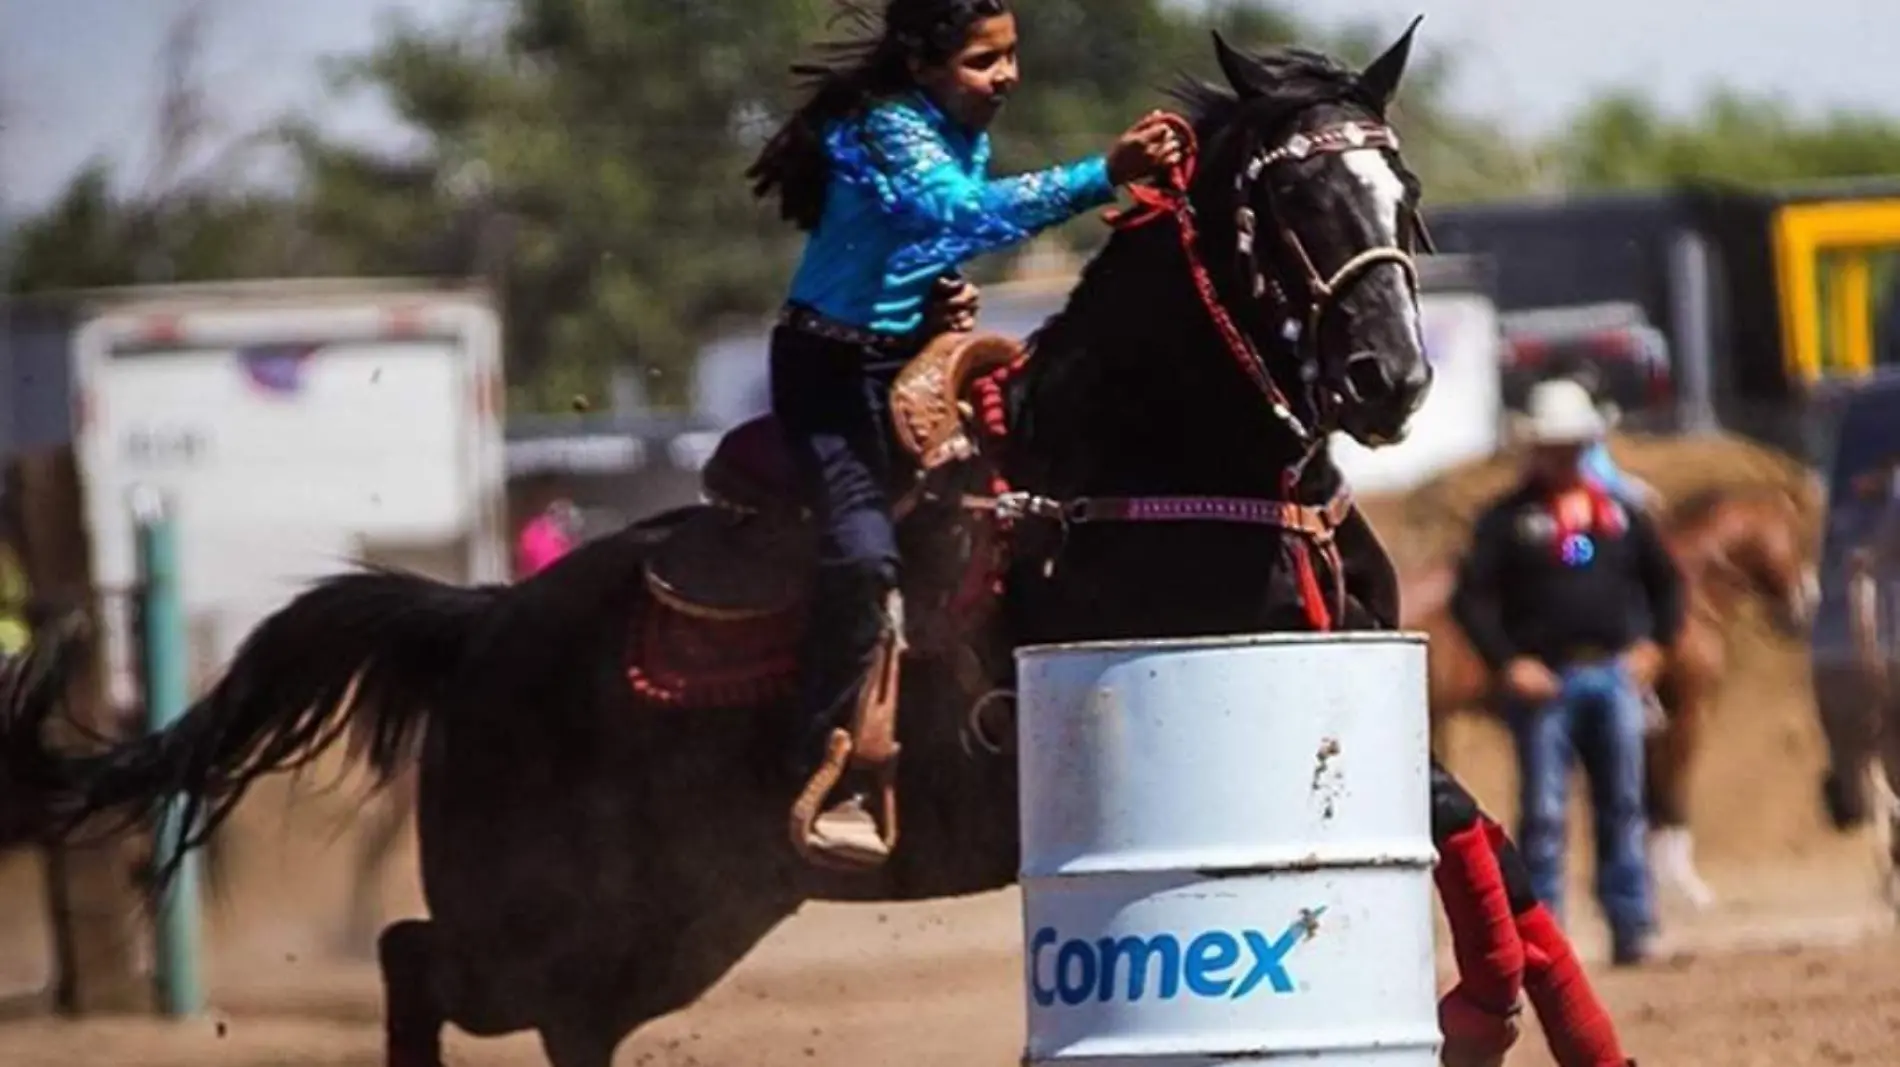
{"x":1301,"y":315}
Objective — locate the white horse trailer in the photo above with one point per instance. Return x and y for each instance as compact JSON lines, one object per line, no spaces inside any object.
{"x":293,"y":428}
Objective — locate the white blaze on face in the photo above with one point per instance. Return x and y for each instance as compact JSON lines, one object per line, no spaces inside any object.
{"x":1387,"y":192}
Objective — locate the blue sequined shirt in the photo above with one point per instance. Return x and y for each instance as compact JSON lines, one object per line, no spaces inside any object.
{"x":909,"y":200}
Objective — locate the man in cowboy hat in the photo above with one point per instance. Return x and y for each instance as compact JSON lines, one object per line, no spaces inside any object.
{"x":1597,"y":461}
{"x":1569,"y":595}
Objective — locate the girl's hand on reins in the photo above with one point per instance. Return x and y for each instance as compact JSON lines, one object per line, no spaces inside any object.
{"x":953,"y":305}
{"x":1148,"y":149}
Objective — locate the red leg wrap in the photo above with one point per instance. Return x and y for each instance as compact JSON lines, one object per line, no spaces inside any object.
{"x":1484,"y":935}
{"x":1575,"y":1023}
{"x":1473,"y":1036}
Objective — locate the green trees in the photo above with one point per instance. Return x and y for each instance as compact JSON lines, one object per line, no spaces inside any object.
{"x":1622,"y":141}
{"x":587,"y":159}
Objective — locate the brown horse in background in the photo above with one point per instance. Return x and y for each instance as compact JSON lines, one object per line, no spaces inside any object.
{"x":1730,"y":545}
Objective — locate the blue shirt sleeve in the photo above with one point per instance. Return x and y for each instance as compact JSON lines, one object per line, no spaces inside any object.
{"x":951,"y":214}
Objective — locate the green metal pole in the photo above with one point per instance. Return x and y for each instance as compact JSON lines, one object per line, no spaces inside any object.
{"x":167,"y":695}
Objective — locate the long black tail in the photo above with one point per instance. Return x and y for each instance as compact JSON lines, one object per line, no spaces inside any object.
{"x":364,"y":653}
{"x":33,"y":682}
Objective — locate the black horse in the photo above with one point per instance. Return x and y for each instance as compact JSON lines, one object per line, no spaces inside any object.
{"x":592,"y":860}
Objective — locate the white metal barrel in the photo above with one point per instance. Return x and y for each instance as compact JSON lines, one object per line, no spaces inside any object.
{"x":1226,"y":852}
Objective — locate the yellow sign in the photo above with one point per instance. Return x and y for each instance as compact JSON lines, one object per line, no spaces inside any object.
{"x":1824,"y":261}
{"x":14,"y":633}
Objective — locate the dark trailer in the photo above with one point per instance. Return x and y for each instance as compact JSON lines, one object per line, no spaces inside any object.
{"x":1762,"y":295}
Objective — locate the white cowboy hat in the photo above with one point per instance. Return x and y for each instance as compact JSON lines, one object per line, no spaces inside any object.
{"x":1560,"y":412}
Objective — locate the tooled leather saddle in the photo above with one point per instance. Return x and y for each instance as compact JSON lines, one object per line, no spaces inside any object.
{"x":749,"y":551}
{"x":729,"y":584}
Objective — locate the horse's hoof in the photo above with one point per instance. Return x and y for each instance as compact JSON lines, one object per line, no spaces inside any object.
{"x":1696,"y":892}
{"x":1672,"y":856}
{"x":1474,"y":1037}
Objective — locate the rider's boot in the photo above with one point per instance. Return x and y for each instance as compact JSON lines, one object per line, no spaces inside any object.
{"x":846,"y":652}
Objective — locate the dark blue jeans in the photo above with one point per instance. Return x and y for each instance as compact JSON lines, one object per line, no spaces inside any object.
{"x":1599,"y":717}
{"x":832,"y":399}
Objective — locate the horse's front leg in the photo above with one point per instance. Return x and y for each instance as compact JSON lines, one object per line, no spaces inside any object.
{"x":1371,"y":579}
{"x":1479,"y":1016}
{"x":1686,"y":694}
{"x":1506,"y":942}
{"x":1884,"y":785}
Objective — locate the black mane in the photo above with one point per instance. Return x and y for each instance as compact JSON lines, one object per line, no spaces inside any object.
{"x":1302,"y":78}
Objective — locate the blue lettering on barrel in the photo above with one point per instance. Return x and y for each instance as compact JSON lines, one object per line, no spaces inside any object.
{"x":1075,"y":961}
{"x":1269,"y":958}
{"x":1045,"y":995}
{"x":1164,"y":950}
{"x":1208,"y":955}
{"x":1074,"y":970}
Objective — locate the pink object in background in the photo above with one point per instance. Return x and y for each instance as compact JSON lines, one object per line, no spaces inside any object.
{"x":542,"y":542}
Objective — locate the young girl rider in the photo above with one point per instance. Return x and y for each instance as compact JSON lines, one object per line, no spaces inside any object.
{"x":886,"y":166}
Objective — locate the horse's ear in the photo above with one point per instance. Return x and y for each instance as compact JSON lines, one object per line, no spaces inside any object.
{"x":1247,"y":75}
{"x":1381,"y":78}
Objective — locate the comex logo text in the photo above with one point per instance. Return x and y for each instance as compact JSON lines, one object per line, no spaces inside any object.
{"x":1208,"y":966}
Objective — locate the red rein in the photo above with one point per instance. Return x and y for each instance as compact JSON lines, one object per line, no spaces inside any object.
{"x":1170,"y":200}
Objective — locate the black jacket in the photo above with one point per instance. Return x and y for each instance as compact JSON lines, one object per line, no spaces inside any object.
{"x":1515,"y":596}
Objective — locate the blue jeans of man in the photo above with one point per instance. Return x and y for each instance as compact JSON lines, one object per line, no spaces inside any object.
{"x":1598,"y":717}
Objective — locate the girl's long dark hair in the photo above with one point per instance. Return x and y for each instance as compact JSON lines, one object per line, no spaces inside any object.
{"x":847,"y":74}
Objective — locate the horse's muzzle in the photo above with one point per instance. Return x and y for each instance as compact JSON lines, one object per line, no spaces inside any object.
{"x":1380,"y":398}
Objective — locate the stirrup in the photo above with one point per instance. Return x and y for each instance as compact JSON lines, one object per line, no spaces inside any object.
{"x":845,"y":837}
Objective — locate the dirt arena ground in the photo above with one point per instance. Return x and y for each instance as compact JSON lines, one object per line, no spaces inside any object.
{"x":1795,"y":967}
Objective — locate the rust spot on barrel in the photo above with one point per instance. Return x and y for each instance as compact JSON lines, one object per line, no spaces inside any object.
{"x":1322,"y":767}
{"x":1327,"y":750}
{"x":1309,"y":922}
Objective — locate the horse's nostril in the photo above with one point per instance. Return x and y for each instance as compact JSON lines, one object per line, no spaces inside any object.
{"x":1367,"y":377}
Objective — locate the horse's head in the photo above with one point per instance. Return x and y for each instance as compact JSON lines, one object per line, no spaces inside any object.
{"x":1302,"y":181}
{"x":1757,"y":540}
